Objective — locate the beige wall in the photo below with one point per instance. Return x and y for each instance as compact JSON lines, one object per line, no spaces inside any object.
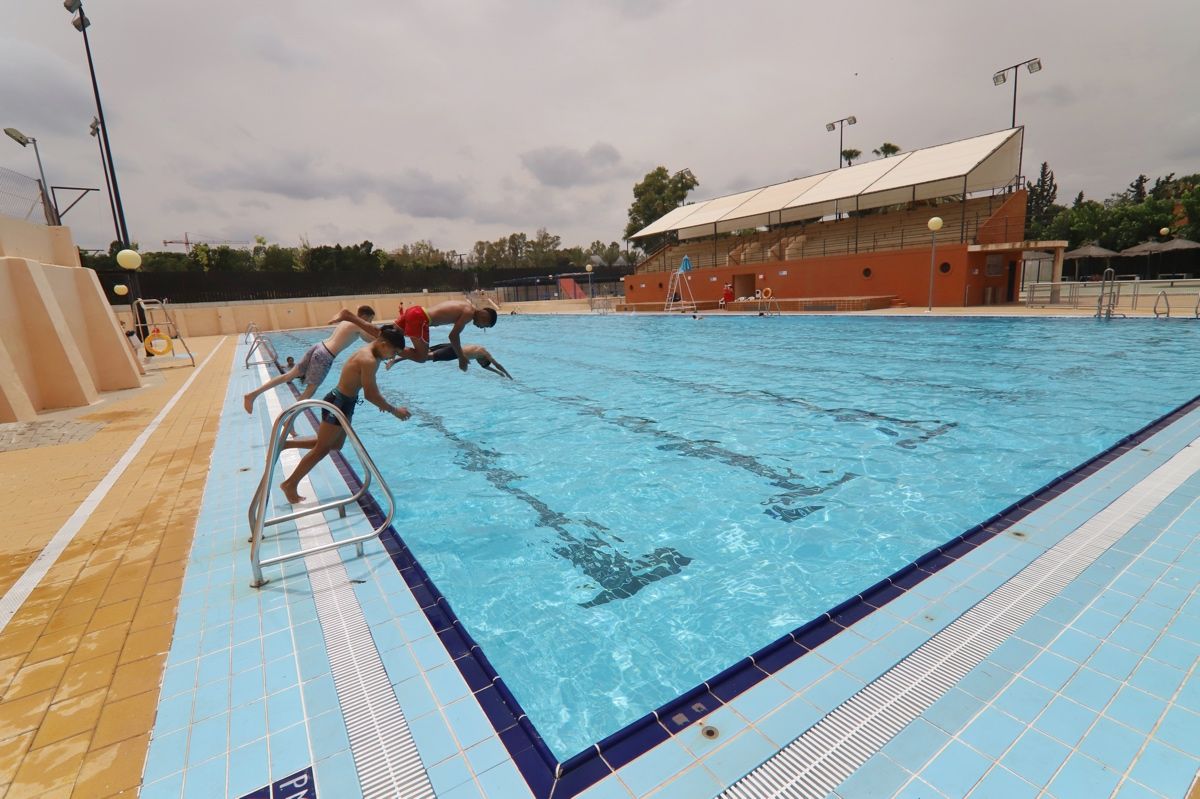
{"x":59,"y":340}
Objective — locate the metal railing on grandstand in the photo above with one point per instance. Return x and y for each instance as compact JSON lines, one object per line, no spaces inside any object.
{"x":21,"y":197}
{"x":258,"y":505}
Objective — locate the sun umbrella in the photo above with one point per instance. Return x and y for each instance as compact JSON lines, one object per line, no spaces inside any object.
{"x":1177,"y":244}
{"x":1145,"y":248}
{"x":1091,"y":250}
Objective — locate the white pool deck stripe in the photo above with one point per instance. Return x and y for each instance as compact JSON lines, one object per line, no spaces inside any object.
{"x":33,"y":574}
{"x":381,"y":743}
{"x":819,"y":760}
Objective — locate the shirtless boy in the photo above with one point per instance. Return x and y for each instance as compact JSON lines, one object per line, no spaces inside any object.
{"x":357,"y":375}
{"x":316,"y":363}
{"x":474,"y":352}
{"x":416,"y":321}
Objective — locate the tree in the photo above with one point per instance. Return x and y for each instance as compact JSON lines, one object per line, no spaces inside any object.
{"x":849,"y":154}
{"x":1078,"y":201}
{"x":656,"y":195}
{"x":1040,"y":207}
{"x":1137,"y":189}
{"x":886,"y":149}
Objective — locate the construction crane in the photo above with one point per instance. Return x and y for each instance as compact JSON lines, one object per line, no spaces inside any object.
{"x":188,"y":243}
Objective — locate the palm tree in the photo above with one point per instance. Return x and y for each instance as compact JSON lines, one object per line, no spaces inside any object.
{"x":886,"y":149}
{"x":850,"y":154}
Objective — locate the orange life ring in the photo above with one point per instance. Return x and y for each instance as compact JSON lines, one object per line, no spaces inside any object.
{"x":158,"y":344}
{"x":767,"y":293}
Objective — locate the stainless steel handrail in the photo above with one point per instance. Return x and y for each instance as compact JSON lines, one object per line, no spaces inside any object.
{"x":251,"y":328}
{"x":263,"y":343}
{"x":258,"y":505}
{"x":149,"y":306}
{"x":1162,"y":295}
{"x":1196,"y":310}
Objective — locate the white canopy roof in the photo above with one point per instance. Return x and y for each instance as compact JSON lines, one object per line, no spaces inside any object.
{"x":983,"y":162}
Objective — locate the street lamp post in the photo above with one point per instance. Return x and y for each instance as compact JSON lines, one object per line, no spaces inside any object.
{"x":840,"y":125}
{"x":47,"y":205}
{"x":591,"y":292}
{"x":934,"y":224}
{"x":95,"y":133}
{"x":1001,"y":77}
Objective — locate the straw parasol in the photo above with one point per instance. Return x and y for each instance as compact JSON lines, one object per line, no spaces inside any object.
{"x":1090,"y":250}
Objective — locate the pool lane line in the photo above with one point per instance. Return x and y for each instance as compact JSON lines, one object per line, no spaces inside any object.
{"x":33,"y":574}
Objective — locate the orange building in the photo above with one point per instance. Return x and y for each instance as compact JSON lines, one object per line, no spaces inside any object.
{"x":855,"y":238}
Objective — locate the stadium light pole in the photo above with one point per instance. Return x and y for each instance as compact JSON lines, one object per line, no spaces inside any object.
{"x":95,"y":134}
{"x":934,"y":224}
{"x":840,"y":125}
{"x":48,"y":206}
{"x":591,"y":292}
{"x":1001,"y":77}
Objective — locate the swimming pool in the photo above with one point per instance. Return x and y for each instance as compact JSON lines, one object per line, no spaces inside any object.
{"x":654,"y":498}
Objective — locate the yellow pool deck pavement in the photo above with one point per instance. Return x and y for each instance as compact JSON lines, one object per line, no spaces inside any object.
{"x":82,"y":658}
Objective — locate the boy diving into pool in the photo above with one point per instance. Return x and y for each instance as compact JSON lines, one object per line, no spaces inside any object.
{"x":416,"y":321}
{"x":474,"y":352}
{"x":318,"y":360}
{"x":357,"y":375}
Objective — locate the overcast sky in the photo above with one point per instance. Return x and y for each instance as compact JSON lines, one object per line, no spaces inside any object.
{"x":400,"y":120}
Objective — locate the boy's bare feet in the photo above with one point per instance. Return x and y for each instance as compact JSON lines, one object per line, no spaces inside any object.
{"x":248,"y":403}
{"x":290,"y":493}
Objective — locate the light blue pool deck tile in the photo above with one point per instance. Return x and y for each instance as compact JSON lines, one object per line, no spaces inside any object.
{"x":399,"y":664}
{"x":248,"y":723}
{"x":985,"y":681}
{"x":1176,"y":652}
{"x":879,"y":776}
{"x":211,"y":667}
{"x":211,"y":699}
{"x":246,"y":655}
{"x":430,"y":652}
{"x":281,"y":674}
{"x":1082,"y":776}
{"x":167,"y":755}
{"x":740,"y":755}
{"x":246,"y":687}
{"x":1180,"y":728}
{"x":842,"y":646}
{"x":1075,"y":645}
{"x":1000,"y":783}
{"x":914,"y":745}
{"x":208,"y":739}
{"x":724,"y":720}
{"x":955,"y":708}
{"x":652,"y":768}
{"x":955,"y":770}
{"x":1023,"y":700}
{"x":608,"y":788}
{"x":992,"y":732}
{"x":179,"y":678}
{"x":214,"y":639}
{"x":447,"y":683}
{"x":468,"y":722}
{"x":387,"y":636}
{"x":327,"y":732}
{"x":1034,"y":757}
{"x":919,"y":789}
{"x":1014,"y":654}
{"x":485,"y":754}
{"x":504,"y":780}
{"x":468,"y":790}
{"x":415,"y":697}
{"x":1157,"y":678}
{"x":206,"y":780}
{"x":434,"y":740}
{"x":1091,"y":689}
{"x":337,"y":777}
{"x":870,"y":663}
{"x":312,"y":663}
{"x":278,"y":645}
{"x":184,"y":647}
{"x":1136,"y":709}
{"x":835,"y":688}
{"x":284,"y":709}
{"x":1113,"y":744}
{"x":696,"y":781}
{"x":1130,"y":789}
{"x":289,"y":751}
{"x":1113,"y":661}
{"x":1152,"y":615}
{"x":1165,"y":770}
{"x":169,"y":788}
{"x":308,"y":636}
{"x":802,"y":673}
{"x":248,"y":768}
{"x":1038,"y":631}
{"x":448,"y":774}
{"x":766,"y":697}
{"x":1065,"y":720}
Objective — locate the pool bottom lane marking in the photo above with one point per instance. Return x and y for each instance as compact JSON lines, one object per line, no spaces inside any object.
{"x":381,"y":743}
{"x":35,"y":571}
{"x":814,"y":764}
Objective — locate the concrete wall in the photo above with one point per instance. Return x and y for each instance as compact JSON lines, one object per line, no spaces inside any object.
{"x":60,"y":345}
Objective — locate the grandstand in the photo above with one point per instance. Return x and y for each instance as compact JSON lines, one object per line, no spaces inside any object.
{"x":860,"y":231}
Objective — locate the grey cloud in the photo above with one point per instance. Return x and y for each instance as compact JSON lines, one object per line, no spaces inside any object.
{"x":1057,"y":96}
{"x":564,"y":167}
{"x":42,"y":93}
{"x":260,"y":36}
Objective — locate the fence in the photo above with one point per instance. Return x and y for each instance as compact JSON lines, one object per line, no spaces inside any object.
{"x":21,"y":196}
{"x":1131,"y":295}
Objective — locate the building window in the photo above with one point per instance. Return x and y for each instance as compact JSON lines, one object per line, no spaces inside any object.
{"x":866,"y":271}
{"x":944,"y":268}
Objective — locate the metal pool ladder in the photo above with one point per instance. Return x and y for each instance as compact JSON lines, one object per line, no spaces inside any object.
{"x":1110,"y":295}
{"x":262,"y":345}
{"x":150,"y":310}
{"x":251,"y":330}
{"x":1162,"y":295}
{"x":258,"y":505}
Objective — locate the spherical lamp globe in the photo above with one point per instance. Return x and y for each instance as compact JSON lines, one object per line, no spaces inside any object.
{"x":935,"y":224}
{"x":1166,"y":231}
{"x":588,"y":267}
{"x":120,"y":289}
{"x":129,"y":259}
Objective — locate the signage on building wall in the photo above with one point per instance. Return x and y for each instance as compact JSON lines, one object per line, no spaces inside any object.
{"x":300,"y":785}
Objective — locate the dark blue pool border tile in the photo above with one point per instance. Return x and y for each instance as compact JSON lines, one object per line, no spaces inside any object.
{"x":545,"y":775}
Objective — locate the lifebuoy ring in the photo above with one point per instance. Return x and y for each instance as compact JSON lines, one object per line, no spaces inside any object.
{"x":158,"y":344}
{"x":767,"y":293}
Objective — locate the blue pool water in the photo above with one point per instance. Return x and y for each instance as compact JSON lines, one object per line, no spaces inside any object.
{"x":654,"y":498}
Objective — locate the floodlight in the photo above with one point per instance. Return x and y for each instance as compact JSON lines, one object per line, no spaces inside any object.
{"x":830,"y":126}
{"x":1035,"y":65}
{"x":72,"y":5}
{"x":17,"y":136}
{"x":94,"y":128}
{"x":80,"y":22}
{"x":851,"y":120}
{"x":1000,"y":78}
